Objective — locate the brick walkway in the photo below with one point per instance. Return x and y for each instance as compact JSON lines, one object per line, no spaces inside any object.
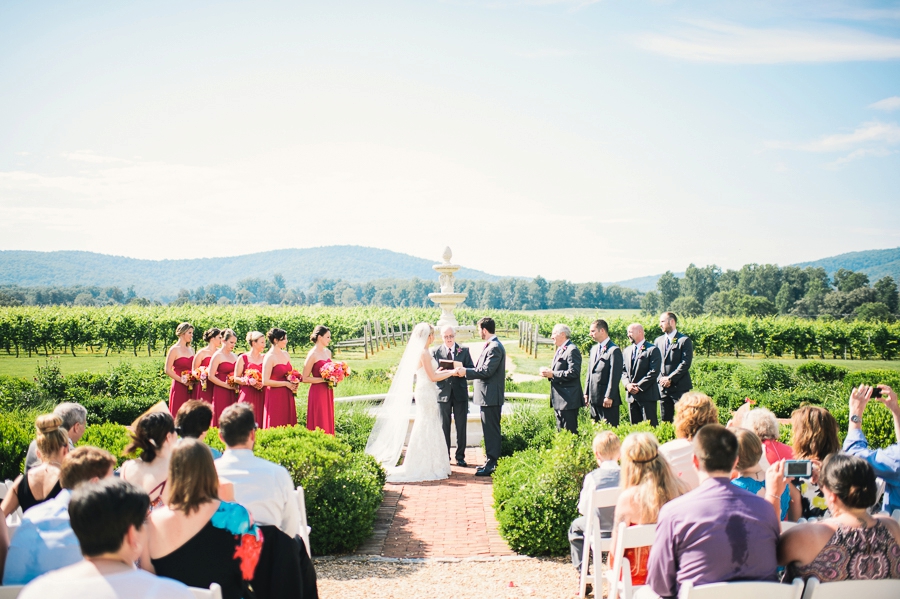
{"x":445,"y":518}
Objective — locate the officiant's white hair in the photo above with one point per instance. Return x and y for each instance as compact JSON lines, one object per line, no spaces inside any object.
{"x":448,"y":327}
{"x":564,"y":329}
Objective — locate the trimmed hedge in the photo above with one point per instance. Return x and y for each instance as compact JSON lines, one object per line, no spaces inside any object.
{"x":109,"y":436}
{"x":16,"y":433}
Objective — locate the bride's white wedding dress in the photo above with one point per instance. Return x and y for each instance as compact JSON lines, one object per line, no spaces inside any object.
{"x":426,"y":454}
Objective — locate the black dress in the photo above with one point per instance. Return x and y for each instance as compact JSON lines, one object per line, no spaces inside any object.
{"x":26,"y":497}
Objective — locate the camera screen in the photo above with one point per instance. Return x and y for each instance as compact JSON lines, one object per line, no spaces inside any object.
{"x":796,"y":468}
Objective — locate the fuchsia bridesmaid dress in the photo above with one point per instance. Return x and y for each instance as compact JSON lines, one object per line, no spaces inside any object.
{"x":222,"y":397}
{"x":179,"y":392}
{"x":250,"y":394}
{"x":320,"y":409}
{"x":199,"y":393}
{"x":280,"y":409}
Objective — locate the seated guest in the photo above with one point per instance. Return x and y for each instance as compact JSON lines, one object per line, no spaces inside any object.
{"x":815,"y":437}
{"x":606,"y":476}
{"x":108,"y":519}
{"x":261,"y":486}
{"x":763,"y":422}
{"x":752,"y":477}
{"x":648,"y":483}
{"x":41,"y":482}
{"x":851,"y":545}
{"x":74,"y":420}
{"x":718,"y":532}
{"x":154,"y":434}
{"x":193,"y":420}
{"x":196,"y":538}
{"x":692,"y":411}
{"x":45,"y":540}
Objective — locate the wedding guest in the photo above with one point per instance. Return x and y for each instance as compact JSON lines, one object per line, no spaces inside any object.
{"x":694,"y":411}
{"x":764,"y":423}
{"x":213,"y":339}
{"x":179,"y":367}
{"x":280,"y":407}
{"x":604,"y":372}
{"x":815,"y":437}
{"x":108,"y":518}
{"x":885,"y":461}
{"x":74,"y":420}
{"x":566,"y":395}
{"x":606,"y":476}
{"x":193,"y":421}
{"x":320,"y":406}
{"x":196,"y":538}
{"x":752,"y":477}
{"x":677,"y":352}
{"x":220,"y":368}
{"x":251,"y":393}
{"x":45,"y":540}
{"x":851,"y":544}
{"x":641,"y":369}
{"x":647,"y":484}
{"x":718,"y":532}
{"x":154,"y":434}
{"x":453,"y":393}
{"x":41,"y":482}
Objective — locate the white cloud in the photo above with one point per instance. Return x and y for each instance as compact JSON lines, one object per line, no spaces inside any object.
{"x":888,"y":104}
{"x":871,"y":132}
{"x":704,"y":41}
{"x":88,"y":156}
{"x":857,"y":154}
{"x":546,"y":53}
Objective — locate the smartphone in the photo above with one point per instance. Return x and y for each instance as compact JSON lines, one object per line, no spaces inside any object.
{"x":797,"y":468}
{"x":877,"y":391}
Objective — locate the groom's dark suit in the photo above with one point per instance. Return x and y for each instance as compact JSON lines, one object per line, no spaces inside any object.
{"x":453,"y":397}
{"x":489,"y":385}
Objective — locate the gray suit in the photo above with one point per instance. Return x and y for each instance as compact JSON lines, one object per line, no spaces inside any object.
{"x":453,"y":397}
{"x":489,"y":375}
{"x":676,"y":363}
{"x":566,"y":395}
{"x":604,"y":374}
{"x":643,"y":370}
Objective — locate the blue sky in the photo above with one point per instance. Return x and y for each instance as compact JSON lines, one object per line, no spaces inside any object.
{"x":579,"y":140}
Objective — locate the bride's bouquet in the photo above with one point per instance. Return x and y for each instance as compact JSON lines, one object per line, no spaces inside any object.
{"x":334,"y":372}
{"x":202,"y":375}
{"x":187,"y":379}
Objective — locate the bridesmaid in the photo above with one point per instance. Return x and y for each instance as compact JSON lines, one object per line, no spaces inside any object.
{"x":179,"y":359}
{"x":213,"y":338}
{"x":254,"y":359}
{"x":220,"y":366}
{"x":320,"y":408}
{"x":280,"y":407}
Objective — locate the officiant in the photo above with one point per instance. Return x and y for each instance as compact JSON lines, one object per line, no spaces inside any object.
{"x":453,"y":393}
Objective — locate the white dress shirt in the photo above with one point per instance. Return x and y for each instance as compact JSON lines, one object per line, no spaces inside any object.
{"x":263,"y":487}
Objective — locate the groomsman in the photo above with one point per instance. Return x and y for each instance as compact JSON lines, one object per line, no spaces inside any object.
{"x":640,"y":376}
{"x":565,"y":379}
{"x":677,"y":351}
{"x":453,"y":393}
{"x":604,"y":372}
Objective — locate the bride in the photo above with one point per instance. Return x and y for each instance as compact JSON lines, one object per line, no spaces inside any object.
{"x":426,"y":454}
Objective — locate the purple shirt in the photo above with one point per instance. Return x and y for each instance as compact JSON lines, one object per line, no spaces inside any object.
{"x":716,"y":533}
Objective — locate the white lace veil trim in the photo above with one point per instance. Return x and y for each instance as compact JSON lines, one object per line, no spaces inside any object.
{"x":387,"y":436}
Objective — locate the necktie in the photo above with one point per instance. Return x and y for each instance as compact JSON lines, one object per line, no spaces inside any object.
{"x":450,"y":353}
{"x":634,"y":356}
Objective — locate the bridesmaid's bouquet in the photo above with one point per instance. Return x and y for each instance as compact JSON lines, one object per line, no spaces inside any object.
{"x":253,"y":378}
{"x":334,"y":372}
{"x":231,"y":382}
{"x":202,"y":375}
{"x":293,"y":376}
{"x":187,"y":379}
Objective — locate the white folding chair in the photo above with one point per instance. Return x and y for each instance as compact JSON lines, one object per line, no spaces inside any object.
{"x":593,"y":542}
{"x":870,"y":589}
{"x":785,"y":525}
{"x":304,"y":527}
{"x":628,"y":537}
{"x":11,"y":591}
{"x":742,"y":590}
{"x":14,"y":518}
{"x":896,"y":515}
{"x":213,"y":592}
{"x":12,"y":528}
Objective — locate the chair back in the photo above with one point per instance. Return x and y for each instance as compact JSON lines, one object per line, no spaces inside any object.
{"x":3,"y":490}
{"x":13,"y":528}
{"x":628,"y":537}
{"x":785,"y":525}
{"x":11,"y":591}
{"x":593,"y":541}
{"x":304,"y":526}
{"x":870,"y":589}
{"x":896,"y":515}
{"x":213,"y":592}
{"x":743,"y":590}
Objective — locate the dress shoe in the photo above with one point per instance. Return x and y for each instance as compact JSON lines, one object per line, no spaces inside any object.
{"x":484,"y":472}
{"x":462,"y":464}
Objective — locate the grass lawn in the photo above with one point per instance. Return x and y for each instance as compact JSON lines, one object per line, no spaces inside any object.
{"x":851,"y":365}
{"x":605,"y":313}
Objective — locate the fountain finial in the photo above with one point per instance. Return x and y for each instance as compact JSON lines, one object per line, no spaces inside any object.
{"x":448,"y":254}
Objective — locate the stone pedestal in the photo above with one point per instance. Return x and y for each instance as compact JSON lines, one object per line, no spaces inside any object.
{"x":447,"y":299}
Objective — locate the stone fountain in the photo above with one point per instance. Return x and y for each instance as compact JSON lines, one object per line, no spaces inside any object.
{"x":447,"y":299}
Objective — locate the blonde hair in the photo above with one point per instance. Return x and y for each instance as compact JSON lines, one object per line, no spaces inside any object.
{"x":254,"y":336}
{"x":692,"y":412}
{"x":645,"y":468}
{"x":606,"y":445}
{"x":750,"y":449}
{"x":183,"y":328}
{"x":50,"y":437}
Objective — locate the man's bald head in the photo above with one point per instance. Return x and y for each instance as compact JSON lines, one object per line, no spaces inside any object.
{"x":636,"y":332}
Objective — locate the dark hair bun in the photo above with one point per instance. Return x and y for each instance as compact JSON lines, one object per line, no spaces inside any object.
{"x":276,"y":334}
{"x":320,"y":330}
{"x":211,"y":334}
{"x":150,"y":432}
{"x":851,"y":478}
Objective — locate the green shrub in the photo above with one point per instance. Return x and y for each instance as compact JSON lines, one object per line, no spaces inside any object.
{"x":18,"y":393}
{"x":877,"y":426}
{"x":531,"y":425}
{"x":16,"y":434}
{"x":50,"y":380}
{"x":772,"y":375}
{"x":109,"y":436}
{"x":817,"y":372}
{"x":116,"y":410}
{"x":872,"y":377}
{"x":353,"y":423}
{"x":146,"y":380}
{"x":212,"y":439}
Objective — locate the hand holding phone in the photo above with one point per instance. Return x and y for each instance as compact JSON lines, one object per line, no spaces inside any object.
{"x":798,"y":468}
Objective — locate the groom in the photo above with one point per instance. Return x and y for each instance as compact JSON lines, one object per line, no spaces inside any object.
{"x":489,"y":386}
{"x":453,"y":393}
